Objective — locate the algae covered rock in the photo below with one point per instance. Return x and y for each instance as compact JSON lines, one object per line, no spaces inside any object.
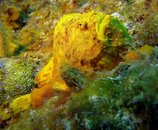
{"x":126,"y":99}
{"x":147,"y":32}
{"x":47,"y":117}
{"x":16,"y":78}
{"x":90,"y":41}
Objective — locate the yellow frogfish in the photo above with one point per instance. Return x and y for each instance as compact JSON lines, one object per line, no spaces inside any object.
{"x":90,"y":42}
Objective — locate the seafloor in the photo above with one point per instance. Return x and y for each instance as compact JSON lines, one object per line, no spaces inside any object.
{"x":79,"y":65}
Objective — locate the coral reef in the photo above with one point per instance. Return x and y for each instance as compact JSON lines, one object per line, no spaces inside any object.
{"x":78,"y":64}
{"x":125,"y":99}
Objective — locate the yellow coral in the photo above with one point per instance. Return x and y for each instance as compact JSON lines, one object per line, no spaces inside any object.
{"x":20,"y":104}
{"x":80,"y":41}
{"x":146,"y":49}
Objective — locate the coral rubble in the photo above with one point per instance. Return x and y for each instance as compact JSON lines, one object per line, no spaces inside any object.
{"x":78,"y":64}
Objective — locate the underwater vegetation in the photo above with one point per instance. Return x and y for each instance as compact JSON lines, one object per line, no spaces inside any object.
{"x":7,"y":46}
{"x":125,"y":99}
{"x":149,"y":30}
{"x":78,"y":65}
{"x":16,"y":78}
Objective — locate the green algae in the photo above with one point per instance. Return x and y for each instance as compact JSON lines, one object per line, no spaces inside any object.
{"x":132,"y":91}
{"x":119,"y":26}
{"x":73,"y":76}
{"x":47,"y":117}
{"x":17,"y":78}
{"x":124,"y":99}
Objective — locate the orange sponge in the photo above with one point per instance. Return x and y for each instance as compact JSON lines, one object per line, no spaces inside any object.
{"x":39,"y":95}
